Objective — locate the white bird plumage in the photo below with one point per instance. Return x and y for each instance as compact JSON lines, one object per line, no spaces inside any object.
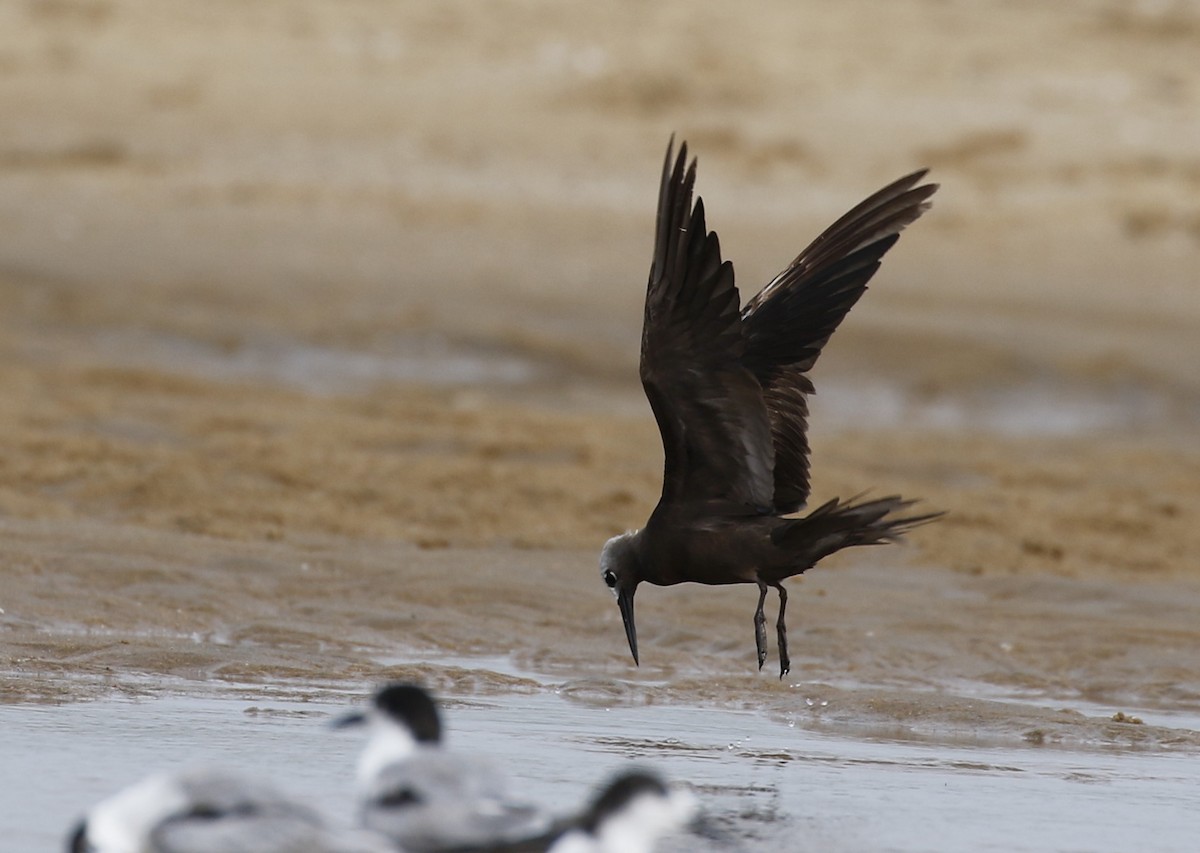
{"x":211,"y":811}
{"x":423,"y":797}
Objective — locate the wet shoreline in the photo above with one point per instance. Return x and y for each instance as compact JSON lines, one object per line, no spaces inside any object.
{"x":763,"y":780}
{"x":924,"y":650}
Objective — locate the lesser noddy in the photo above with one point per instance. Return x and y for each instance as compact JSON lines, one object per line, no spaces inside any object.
{"x":729,"y":386}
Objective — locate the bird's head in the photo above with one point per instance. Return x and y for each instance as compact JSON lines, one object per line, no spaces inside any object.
{"x":635,"y":809}
{"x":399,"y":706}
{"x":413,"y":708}
{"x":621,"y":572}
{"x":400,"y":719}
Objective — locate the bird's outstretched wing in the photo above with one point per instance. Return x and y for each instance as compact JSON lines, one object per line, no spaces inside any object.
{"x":715,"y":429}
{"x":788,"y":322}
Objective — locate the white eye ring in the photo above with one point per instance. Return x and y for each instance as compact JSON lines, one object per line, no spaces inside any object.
{"x":610,"y":578}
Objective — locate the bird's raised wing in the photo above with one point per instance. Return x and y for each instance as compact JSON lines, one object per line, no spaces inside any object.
{"x":789,"y":321}
{"x":715,"y":429}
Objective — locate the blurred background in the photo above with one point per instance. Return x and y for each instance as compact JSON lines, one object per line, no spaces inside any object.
{"x":319,"y":328}
{"x":327,"y":199}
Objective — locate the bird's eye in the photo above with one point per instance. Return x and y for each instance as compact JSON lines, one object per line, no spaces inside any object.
{"x":610,"y":579}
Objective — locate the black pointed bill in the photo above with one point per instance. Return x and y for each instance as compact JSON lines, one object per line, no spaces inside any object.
{"x":625,"y":602}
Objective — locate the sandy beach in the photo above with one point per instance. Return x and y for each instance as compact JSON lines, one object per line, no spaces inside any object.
{"x":318,"y":351}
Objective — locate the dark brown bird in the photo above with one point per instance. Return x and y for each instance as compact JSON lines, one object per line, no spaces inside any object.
{"x":729,"y":389}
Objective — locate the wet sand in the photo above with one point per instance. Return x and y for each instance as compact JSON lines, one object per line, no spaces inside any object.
{"x":922,"y":650}
{"x":319,"y":327}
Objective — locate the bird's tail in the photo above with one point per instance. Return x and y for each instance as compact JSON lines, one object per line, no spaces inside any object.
{"x":839,"y":524}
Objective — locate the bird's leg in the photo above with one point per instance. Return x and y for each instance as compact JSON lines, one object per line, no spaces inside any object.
{"x":785,"y":663}
{"x":760,"y":625}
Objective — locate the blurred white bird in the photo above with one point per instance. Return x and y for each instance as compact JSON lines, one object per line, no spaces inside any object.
{"x":424,"y":797}
{"x":211,"y":811}
{"x":630,"y":815}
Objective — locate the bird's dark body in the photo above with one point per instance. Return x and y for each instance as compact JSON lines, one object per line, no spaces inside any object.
{"x":729,"y":386}
{"x":678,"y":545}
{"x":703,"y":545}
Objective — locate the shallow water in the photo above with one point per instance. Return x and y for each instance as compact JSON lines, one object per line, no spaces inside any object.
{"x":765,"y":784}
